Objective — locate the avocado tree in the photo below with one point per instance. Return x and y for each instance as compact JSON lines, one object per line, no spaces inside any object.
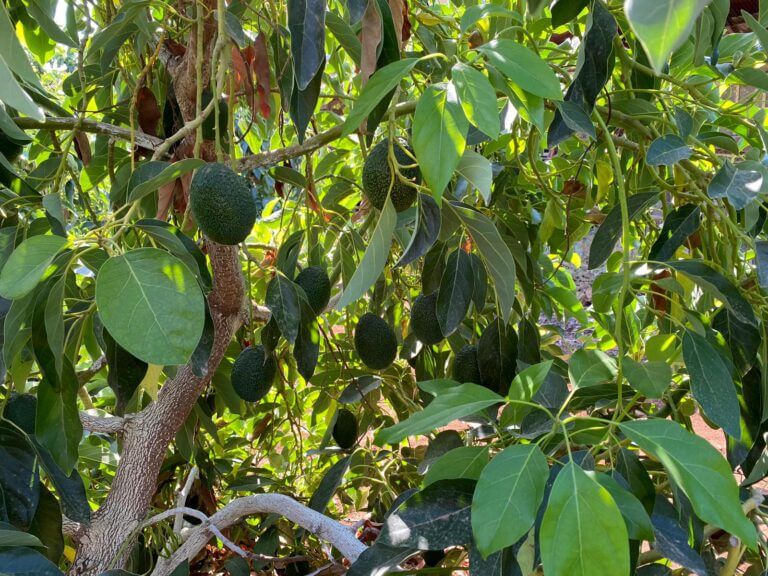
{"x":325,"y":286}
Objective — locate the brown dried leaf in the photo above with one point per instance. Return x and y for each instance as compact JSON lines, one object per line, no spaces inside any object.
{"x":83,"y":147}
{"x":243,"y":77}
{"x":148,"y":111}
{"x":397,"y":7}
{"x":370,"y":38}
{"x":260,"y":67}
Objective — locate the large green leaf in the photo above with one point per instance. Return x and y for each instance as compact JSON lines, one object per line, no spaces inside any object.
{"x":523,"y":67}
{"x":13,"y":95}
{"x":698,"y":469}
{"x":432,"y":519}
{"x":740,"y":186}
{"x":679,"y":224}
{"x":152,"y":305}
{"x":425,"y":232}
{"x":495,"y":252}
{"x":507,"y":497}
{"x":379,"y":85}
{"x":283,"y":302}
{"x":477,"y":170}
{"x":649,"y":378}
{"x":19,"y":475}
{"x":667,"y":150}
{"x":439,"y":136}
{"x":582,"y":532}
{"x":478,"y":98}
{"x":13,"y":52}
{"x":456,"y":288}
{"x":374,"y":258}
{"x":13,"y":537}
{"x":662,"y":26}
{"x":609,"y":231}
{"x":344,"y":35}
{"x":636,"y":518}
{"x":306,"y":21}
{"x":303,"y":102}
{"x":26,"y":562}
{"x":28,"y":264}
{"x":524,"y":387}
{"x":590,"y":368}
{"x":711,"y":383}
{"x":452,"y":403}
{"x":163,"y":173}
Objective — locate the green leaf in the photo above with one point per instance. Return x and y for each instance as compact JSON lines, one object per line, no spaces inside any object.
{"x":374,"y":258}
{"x":761,"y":261}
{"x":524,"y":387}
{"x":57,"y":422}
{"x":39,"y":11}
{"x":26,"y":562}
{"x":344,"y":35}
{"x":19,"y":475}
{"x":609,"y":231}
{"x":563,"y":11}
{"x":283,"y":302}
{"x":426,"y":230}
{"x":582,"y":532}
{"x":752,"y":77}
{"x":465,"y":462}
{"x":478,"y":99}
{"x":662,"y":26}
{"x":10,"y":537}
{"x":756,"y":27}
{"x":591,"y":367}
{"x":306,"y":350}
{"x":452,"y":403}
{"x":329,"y":484}
{"x":576,"y":118}
{"x":162,"y":173}
{"x":13,"y":53}
{"x":28,"y":264}
{"x":376,"y":559}
{"x":151,"y":304}
{"x":304,"y":102}
{"x":439,"y":136}
{"x":456,"y":288}
{"x":651,"y":379}
{"x":432,"y":519}
{"x":507,"y":497}
{"x":498,"y":258}
{"x":711,"y":383}
{"x":718,"y":286}
{"x":381,"y":83}
{"x":306,"y":21}
{"x":13,"y":95}
{"x":667,"y":150}
{"x":636,"y":519}
{"x":477,"y":12}
{"x":679,"y":224}
{"x":523,"y":67}
{"x":47,"y":525}
{"x":739,"y":186}
{"x":699,"y":470}
{"x":125,"y":372}
{"x":477,"y":170}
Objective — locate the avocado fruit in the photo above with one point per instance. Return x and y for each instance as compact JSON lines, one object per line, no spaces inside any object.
{"x":375,"y":342}
{"x":222,"y":204}
{"x":10,"y":148}
{"x":21,"y":409}
{"x":253,"y":373}
{"x":424,"y":321}
{"x":317,"y":286}
{"x":345,"y":429}
{"x":378,"y":176}
{"x":497,"y":357}
{"x":465,"y":367}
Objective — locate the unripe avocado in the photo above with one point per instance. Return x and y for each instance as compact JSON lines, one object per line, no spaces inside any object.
{"x":21,"y":409}
{"x":377,"y":176}
{"x":317,"y":286}
{"x":253,"y":373}
{"x":465,"y":367}
{"x":424,"y":319}
{"x":497,"y":357}
{"x":345,"y":429}
{"x":222,"y":204}
{"x":375,"y":342}
{"x":9,"y":148}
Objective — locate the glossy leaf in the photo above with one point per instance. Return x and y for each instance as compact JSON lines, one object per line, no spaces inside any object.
{"x":151,"y":304}
{"x":651,"y":379}
{"x":477,"y":98}
{"x":636,"y":519}
{"x":455,"y":293}
{"x":679,"y":224}
{"x":306,"y":21}
{"x":374,"y":258}
{"x":426,"y":230}
{"x":28,"y":264}
{"x":582,"y":532}
{"x":739,"y":186}
{"x":508,"y":496}
{"x":439,"y":136}
{"x":711,"y":383}
{"x":168,"y":173}
{"x":610,"y":230}
{"x":522,"y":67}
{"x":304,"y":101}
{"x":283,"y":302}
{"x":590,"y":368}
{"x":667,"y":150}
{"x":698,"y":469}
{"x":524,"y":387}
{"x":26,"y":562}
{"x":329,"y":484}
{"x":464,"y":462}
{"x":672,"y":542}
{"x":477,"y":170}
{"x":451,"y":404}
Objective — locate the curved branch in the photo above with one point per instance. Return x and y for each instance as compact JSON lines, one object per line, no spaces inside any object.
{"x":86,"y":125}
{"x":340,"y":536}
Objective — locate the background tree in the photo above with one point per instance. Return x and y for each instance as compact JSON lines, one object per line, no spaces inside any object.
{"x":256,"y":256}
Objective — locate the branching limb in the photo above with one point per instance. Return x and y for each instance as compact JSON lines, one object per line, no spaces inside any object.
{"x":103,"y":424}
{"x":340,"y":536}
{"x":178,"y":522}
{"x":86,"y":125}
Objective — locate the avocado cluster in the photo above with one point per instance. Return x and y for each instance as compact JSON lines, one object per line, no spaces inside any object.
{"x":424,"y":321}
{"x":317,"y":286}
{"x":378,"y":176}
{"x":345,"y":429}
{"x":375,"y":342}
{"x":253,"y":373}
{"x":222,"y":204}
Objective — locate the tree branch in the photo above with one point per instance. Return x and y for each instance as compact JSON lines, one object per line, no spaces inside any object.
{"x":340,"y":536}
{"x":103,"y":424}
{"x":86,"y":125}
